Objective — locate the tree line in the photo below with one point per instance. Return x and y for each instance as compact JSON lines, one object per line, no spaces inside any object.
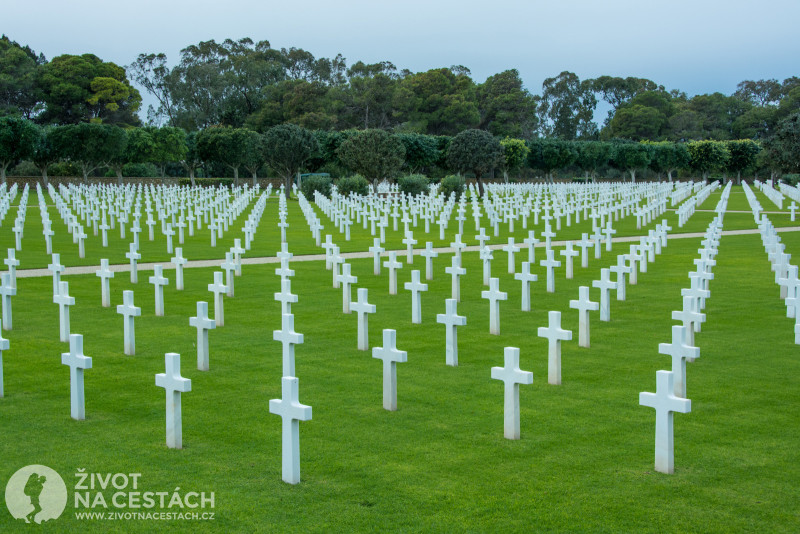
{"x":250,"y":84}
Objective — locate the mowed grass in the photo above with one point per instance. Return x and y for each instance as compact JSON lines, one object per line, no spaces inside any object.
{"x":440,"y":463}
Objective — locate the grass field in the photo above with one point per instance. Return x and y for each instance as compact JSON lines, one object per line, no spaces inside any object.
{"x":440,"y":463}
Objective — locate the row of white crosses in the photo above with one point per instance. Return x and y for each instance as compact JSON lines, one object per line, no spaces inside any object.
{"x":671,"y":393}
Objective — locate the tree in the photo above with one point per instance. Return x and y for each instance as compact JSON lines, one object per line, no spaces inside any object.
{"x":191,"y":160}
{"x":743,"y":153}
{"x":287,"y":147}
{"x":515,"y":153}
{"x":45,"y":153}
{"x":475,"y":151}
{"x":253,"y":153}
{"x":551,"y":154}
{"x":759,"y":92}
{"x":85,"y":88}
{"x":591,"y":155}
{"x":18,"y":138}
{"x":636,"y":123}
{"x":169,"y":147}
{"x":784,"y":147}
{"x":374,"y":154}
{"x":619,"y":91}
{"x":225,"y":145}
{"x":422,"y":151}
{"x":151,"y":72}
{"x":89,"y":145}
{"x":19,"y":70}
{"x":506,"y":108}
{"x":666,"y":156}
{"x":119,"y":159}
{"x":566,"y":107}
{"x":631,"y":156}
{"x":707,"y":156}
{"x":437,"y":102}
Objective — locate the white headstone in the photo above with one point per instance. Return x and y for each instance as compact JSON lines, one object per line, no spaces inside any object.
{"x":203,"y":324}
{"x":128,"y":312}
{"x":105,"y":275}
{"x":362,"y":307}
{"x":555,"y":335}
{"x":219,"y":290}
{"x":77,"y":362}
{"x":174,"y":384}
{"x":512,"y":377}
{"x":292,"y":412}
{"x":417,"y":288}
{"x":665,"y":403}
{"x":159,"y":282}
{"x":288,"y":338}
{"x":390,"y":356}
{"x":584,"y":305}
{"x":450,"y":319}
{"x":494,"y":296}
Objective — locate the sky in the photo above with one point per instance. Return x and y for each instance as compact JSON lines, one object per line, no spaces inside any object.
{"x":697,"y":46}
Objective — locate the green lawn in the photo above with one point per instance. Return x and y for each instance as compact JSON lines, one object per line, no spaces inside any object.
{"x":440,"y":463}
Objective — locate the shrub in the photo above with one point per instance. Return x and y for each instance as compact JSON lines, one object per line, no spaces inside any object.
{"x":207,"y":182}
{"x":353,"y":184}
{"x":315,"y":183}
{"x":25,"y":168}
{"x":791,"y":179}
{"x":63,"y":168}
{"x":451,"y":184}
{"x":140,"y":170}
{"x":413,"y":184}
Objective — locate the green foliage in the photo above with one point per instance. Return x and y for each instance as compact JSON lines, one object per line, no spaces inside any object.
{"x":140,"y":170}
{"x":784,"y":147}
{"x":631,"y":156}
{"x":566,"y":107}
{"x":413,"y":184}
{"x":207,"y":182}
{"x":743,"y":153}
{"x":85,"y":88}
{"x":18,"y":139}
{"x":637,"y":123}
{"x":310,"y":184}
{"x":708,"y":156}
{"x":666,"y":156}
{"x":374,"y":154}
{"x":24,"y":168}
{"x":89,"y":145}
{"x":475,"y":151}
{"x":19,"y":71}
{"x":507,"y":109}
{"x":422,"y":151}
{"x":515,"y":153}
{"x":451,"y":184}
{"x":352,"y":184}
{"x":592,"y":155}
{"x":287,"y":148}
{"x":551,"y":154}
{"x":439,"y":102}
{"x":224,"y":145}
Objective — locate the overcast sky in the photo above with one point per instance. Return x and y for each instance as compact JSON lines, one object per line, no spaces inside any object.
{"x":698,"y":46}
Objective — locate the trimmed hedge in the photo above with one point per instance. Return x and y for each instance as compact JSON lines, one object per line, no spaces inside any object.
{"x":451,"y":184}
{"x":315,"y":183}
{"x":413,"y":184}
{"x":353,"y":184}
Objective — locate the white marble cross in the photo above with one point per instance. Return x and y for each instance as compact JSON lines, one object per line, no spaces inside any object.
{"x":665,"y":403}
{"x":203,"y":324}
{"x":346,"y":280}
{"x":429,"y":254}
{"x":12,"y":263}
{"x":486,"y":256}
{"x":450,"y":319}
{"x":550,"y":264}
{"x":291,"y":412}
{"x":555,"y":335}
{"x":178,"y":261}
{"x":362,"y":307}
{"x":286,"y":297}
{"x":229,"y":267}
{"x":390,"y":356}
{"x":584,"y":305}
{"x":621,"y":269}
{"x":494,"y":296}
{"x":219,"y":290}
{"x":511,"y":249}
{"x":77,"y":362}
{"x":159,"y":281}
{"x":416,"y":287}
{"x":128,"y":312}
{"x":526,"y":278}
{"x":105,"y":275}
{"x":679,"y":351}
{"x":392,"y":264}
{"x":7,"y":291}
{"x":169,"y":232}
{"x":64,"y":301}
{"x":376,"y":250}
{"x":530,"y":243}
{"x":336,"y":259}
{"x":288,"y":338}
{"x":605,"y":285}
{"x":568,"y":254}
{"x":238,"y":250}
{"x":584,"y":245}
{"x":458,"y":246}
{"x":56,"y":268}
{"x":174,"y":384}
{"x":409,"y":241}
{"x":133,"y":255}
{"x":455,"y":271}
{"x":689,"y":316}
{"x":512,"y":377}
{"x":482,"y":238}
